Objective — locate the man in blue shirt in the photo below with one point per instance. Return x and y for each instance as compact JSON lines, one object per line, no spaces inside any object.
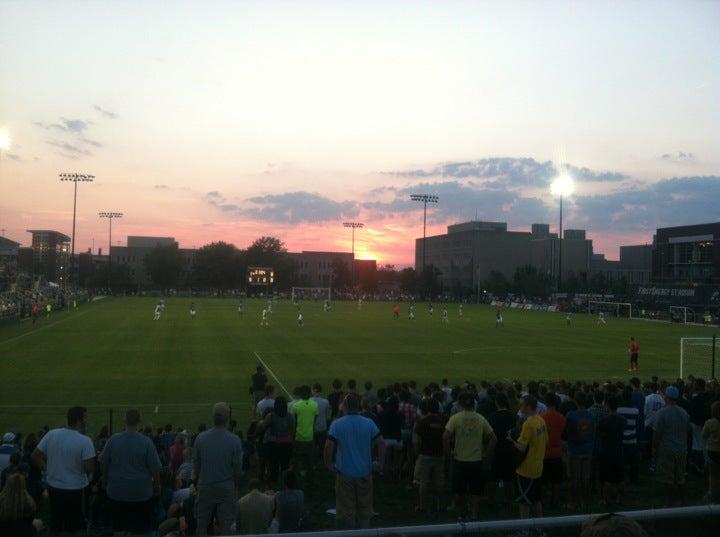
{"x":348,"y":453}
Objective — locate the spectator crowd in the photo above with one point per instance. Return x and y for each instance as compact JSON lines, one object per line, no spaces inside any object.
{"x":470,"y":451}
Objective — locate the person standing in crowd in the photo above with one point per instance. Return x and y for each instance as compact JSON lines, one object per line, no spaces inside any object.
{"x":68,"y":457}
{"x":465,"y":434}
{"x":304,"y":411}
{"x":7,"y":448}
{"x":611,"y":431}
{"x":634,"y":350}
{"x":631,"y":450}
{"x":552,"y":473}
{"x":711,"y":434}
{"x":131,"y":476}
{"x":580,"y":430}
{"x":430,"y":462}
{"x":502,"y":470}
{"x":348,"y":454}
{"x":217,"y":463}
{"x":532,"y":441}
{"x":672,"y":426}
{"x":258,"y":381}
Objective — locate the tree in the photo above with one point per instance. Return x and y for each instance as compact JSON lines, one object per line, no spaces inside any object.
{"x":528,"y":281}
{"x":408,"y":280}
{"x":217,"y":265}
{"x":163,"y":264}
{"x":496,"y":283}
{"x":265,"y":251}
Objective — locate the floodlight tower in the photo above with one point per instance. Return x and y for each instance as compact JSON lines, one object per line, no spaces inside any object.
{"x":425,"y":198}
{"x":562,"y":186}
{"x":75,"y":178}
{"x":110,"y":216}
{"x":354,"y":226}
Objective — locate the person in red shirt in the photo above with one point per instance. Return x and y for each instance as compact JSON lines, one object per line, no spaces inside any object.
{"x":634,"y":351}
{"x":553,"y":464}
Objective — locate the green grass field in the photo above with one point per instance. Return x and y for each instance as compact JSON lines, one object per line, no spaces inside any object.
{"x":111,"y":354}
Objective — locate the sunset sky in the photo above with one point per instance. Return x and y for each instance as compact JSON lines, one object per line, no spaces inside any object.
{"x":230,"y":120}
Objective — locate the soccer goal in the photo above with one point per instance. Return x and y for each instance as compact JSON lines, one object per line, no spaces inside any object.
{"x":681,"y":314}
{"x":697,"y":356}
{"x":618,"y":309}
{"x":311,"y":293}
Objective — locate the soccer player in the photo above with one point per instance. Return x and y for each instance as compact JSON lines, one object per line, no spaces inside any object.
{"x":460,"y":309}
{"x":300,"y":318}
{"x":499,"y":320}
{"x":634,"y":351}
{"x":411,"y":312}
{"x":445,"y":316}
{"x":158,"y":311}
{"x":192,"y":310}
{"x":568,"y":318}
{"x":396,"y":311}
{"x":264,"y":319}
{"x":601,"y":317}
{"x":360,"y":303}
{"x":241,"y":308}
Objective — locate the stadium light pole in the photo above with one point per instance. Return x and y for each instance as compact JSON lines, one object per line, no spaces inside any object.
{"x":75,"y":178}
{"x":562,"y":186}
{"x":353,"y":226}
{"x":425,"y":198}
{"x":110,"y":215}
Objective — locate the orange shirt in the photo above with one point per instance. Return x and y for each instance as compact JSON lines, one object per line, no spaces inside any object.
{"x":555,"y":422}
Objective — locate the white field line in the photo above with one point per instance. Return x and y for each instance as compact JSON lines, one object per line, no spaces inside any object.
{"x":43,"y":325}
{"x":273,"y":375}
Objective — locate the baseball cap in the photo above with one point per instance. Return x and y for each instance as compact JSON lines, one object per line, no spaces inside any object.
{"x":221,"y":410}
{"x":671,"y":392}
{"x":9,"y":437}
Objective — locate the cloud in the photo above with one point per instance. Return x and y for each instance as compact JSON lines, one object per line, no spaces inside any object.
{"x":297,"y":207}
{"x":68,"y":149}
{"x":161,"y":187}
{"x":678,"y":156}
{"x":515,"y":191}
{"x":512,"y":171}
{"x":105,"y":113}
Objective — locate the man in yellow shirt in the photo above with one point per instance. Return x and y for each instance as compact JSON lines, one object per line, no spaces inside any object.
{"x":533,"y":440}
{"x":470,"y":431}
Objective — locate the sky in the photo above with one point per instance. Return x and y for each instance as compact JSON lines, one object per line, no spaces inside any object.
{"x":231,"y":120}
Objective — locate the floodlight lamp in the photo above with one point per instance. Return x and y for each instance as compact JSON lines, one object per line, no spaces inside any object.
{"x":562,"y":186}
{"x":4,"y":140}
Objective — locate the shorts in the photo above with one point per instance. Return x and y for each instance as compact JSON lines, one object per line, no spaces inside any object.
{"x":529,"y":491}
{"x":552,"y":471}
{"x":68,"y":509}
{"x":634,"y":358}
{"x":134,"y":517}
{"x":468,"y":476}
{"x":430,"y":469}
{"x":670,"y":467}
{"x":218,"y":501}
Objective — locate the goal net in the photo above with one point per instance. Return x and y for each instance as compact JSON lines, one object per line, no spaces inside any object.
{"x":681,"y":314}
{"x":610,"y":309}
{"x":311,"y":293}
{"x":697,"y":356}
